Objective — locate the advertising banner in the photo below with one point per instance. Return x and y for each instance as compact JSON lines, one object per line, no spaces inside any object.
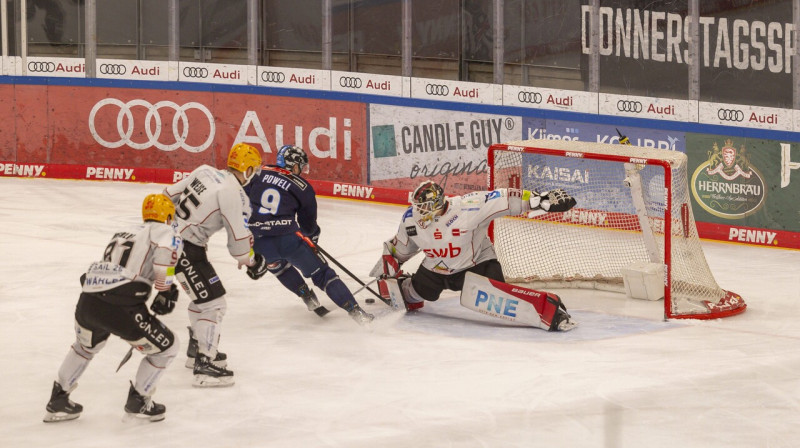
{"x":139,"y":70}
{"x":369,"y":83}
{"x":458,"y":91}
{"x":179,"y":129}
{"x":744,"y":115}
{"x":647,"y":107}
{"x":538,"y":128}
{"x":294,"y":78}
{"x":745,"y":185}
{"x":217,"y":73}
{"x":410,"y":145}
{"x":553,"y":99}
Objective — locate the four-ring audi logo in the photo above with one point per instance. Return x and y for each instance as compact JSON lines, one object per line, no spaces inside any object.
{"x":44,"y":67}
{"x":195,"y":72}
{"x":277,"y":77}
{"x":152,"y":125}
{"x":730,"y":114}
{"x":437,"y":89}
{"x":351,"y":82}
{"x":629,"y":106}
{"x":529,"y":97}
{"x":113,"y":69}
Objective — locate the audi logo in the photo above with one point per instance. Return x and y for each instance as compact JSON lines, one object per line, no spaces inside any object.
{"x":351,"y":82}
{"x":47,"y":67}
{"x":195,"y":72}
{"x":113,"y":69}
{"x":530,"y":97}
{"x":437,"y":89}
{"x":730,"y":114}
{"x":277,"y":77}
{"x":152,"y":125}
{"x":629,"y":106}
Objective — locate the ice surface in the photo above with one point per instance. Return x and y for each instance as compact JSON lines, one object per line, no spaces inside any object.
{"x":445,"y":377}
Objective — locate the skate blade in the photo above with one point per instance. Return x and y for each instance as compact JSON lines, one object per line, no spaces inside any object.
{"x":210,"y":381}
{"x":567,"y":325}
{"x":190,"y":363}
{"x":134,"y":418}
{"x":322,"y":311}
{"x":53,"y":417}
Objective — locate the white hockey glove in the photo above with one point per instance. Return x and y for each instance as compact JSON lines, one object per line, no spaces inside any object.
{"x":557,"y":200}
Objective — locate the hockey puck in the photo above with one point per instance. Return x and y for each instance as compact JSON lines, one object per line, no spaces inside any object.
{"x":370,"y":300}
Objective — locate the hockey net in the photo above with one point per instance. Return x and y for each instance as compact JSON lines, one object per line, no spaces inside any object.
{"x":632,"y":207}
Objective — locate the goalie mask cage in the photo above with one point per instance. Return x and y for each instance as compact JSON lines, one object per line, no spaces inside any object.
{"x":632,"y":206}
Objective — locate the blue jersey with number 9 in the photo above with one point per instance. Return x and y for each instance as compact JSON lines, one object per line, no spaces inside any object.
{"x":282,"y":203}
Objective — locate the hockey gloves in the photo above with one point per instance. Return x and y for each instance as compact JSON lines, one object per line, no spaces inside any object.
{"x":557,"y":200}
{"x":164,"y":302}
{"x":314,"y":237}
{"x":259,"y":267}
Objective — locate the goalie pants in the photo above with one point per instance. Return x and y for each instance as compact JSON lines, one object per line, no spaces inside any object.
{"x":429,"y":285}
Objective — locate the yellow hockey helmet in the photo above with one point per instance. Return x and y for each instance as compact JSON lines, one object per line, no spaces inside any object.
{"x":158,"y":207}
{"x":242,"y":157}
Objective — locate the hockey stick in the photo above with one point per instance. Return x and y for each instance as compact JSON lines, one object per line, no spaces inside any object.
{"x":329,"y":257}
{"x":364,"y":287}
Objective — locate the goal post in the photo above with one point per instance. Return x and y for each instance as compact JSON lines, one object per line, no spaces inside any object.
{"x":632,"y":230}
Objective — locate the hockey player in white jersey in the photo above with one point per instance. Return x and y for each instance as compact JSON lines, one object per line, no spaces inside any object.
{"x":453,"y":235}
{"x":113,"y":299}
{"x":207,"y":201}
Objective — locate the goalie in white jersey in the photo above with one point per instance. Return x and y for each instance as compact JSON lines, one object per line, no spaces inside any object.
{"x":115,"y":290}
{"x":207,"y":201}
{"x":453,"y":235}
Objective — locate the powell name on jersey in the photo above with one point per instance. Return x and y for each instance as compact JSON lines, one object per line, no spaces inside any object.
{"x":282,"y":203}
{"x":457,"y":239}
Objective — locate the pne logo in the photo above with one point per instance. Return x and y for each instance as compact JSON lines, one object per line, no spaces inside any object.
{"x":495,"y":304}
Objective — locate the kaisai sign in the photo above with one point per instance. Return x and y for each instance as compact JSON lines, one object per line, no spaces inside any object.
{"x":727,"y":185}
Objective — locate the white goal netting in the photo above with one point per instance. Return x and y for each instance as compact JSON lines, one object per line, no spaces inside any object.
{"x":632,"y":206}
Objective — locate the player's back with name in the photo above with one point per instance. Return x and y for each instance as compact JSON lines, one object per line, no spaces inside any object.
{"x":279,"y":200}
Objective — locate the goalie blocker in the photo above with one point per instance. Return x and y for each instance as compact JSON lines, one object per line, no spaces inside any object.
{"x":501,"y":300}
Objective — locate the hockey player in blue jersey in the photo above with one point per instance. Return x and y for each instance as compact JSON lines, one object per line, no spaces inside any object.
{"x":284,"y":224}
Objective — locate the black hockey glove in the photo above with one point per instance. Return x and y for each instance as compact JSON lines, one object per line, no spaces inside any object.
{"x":314,"y":237}
{"x":164,"y":302}
{"x":259,"y":267}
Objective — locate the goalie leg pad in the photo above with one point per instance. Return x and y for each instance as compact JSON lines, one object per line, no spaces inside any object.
{"x":515,"y":303}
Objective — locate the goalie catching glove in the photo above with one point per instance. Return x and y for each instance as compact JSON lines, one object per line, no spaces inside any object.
{"x":164,"y":302}
{"x":556,"y":200}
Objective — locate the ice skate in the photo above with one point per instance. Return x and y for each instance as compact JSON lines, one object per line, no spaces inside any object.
{"x":561,"y":319}
{"x":360,"y":316}
{"x":143,"y":407}
{"x":221,"y":360}
{"x":312,"y":302}
{"x":60,"y":408}
{"x":208,"y":374}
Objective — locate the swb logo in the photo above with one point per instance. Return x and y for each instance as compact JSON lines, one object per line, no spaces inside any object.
{"x":497,"y":305}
